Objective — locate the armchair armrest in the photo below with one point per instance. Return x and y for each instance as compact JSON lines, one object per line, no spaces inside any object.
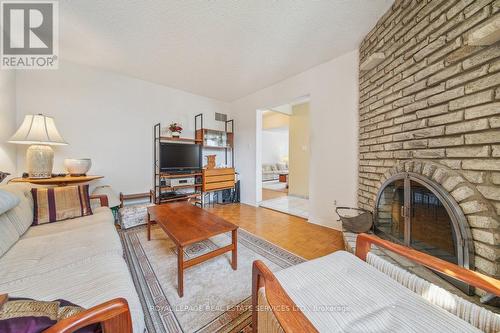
{"x":113,"y":315}
{"x":3,"y":299}
{"x":284,"y":309}
{"x":102,"y":197}
{"x":489,"y":284}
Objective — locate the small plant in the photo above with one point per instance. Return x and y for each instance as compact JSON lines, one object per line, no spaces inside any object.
{"x":175,"y":128}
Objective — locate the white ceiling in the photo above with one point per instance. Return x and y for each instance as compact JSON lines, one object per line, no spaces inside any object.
{"x":225,"y":49}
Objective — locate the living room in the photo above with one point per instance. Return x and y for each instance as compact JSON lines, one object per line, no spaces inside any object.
{"x":132,"y":153}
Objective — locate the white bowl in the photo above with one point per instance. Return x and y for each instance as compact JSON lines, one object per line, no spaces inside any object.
{"x":77,"y":166}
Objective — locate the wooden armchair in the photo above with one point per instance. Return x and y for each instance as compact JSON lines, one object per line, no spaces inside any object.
{"x":114,"y":317}
{"x":291,"y":319}
{"x":102,"y":198}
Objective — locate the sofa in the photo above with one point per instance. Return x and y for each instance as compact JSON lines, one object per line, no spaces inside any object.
{"x":271,"y":171}
{"x":79,"y":260}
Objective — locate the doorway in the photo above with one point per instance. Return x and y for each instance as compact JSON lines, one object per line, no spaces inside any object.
{"x":284,"y":155}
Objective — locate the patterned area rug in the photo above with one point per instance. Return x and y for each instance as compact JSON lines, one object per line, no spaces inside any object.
{"x":216,"y":298}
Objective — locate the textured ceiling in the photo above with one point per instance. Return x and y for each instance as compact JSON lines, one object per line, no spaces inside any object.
{"x":225,"y":49}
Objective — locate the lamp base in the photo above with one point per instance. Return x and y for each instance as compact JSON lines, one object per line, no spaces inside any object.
{"x":40,"y":159}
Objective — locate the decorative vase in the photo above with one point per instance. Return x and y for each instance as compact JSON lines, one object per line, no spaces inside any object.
{"x":211,"y":161}
{"x":77,"y":166}
{"x":176,"y":134}
{"x":40,"y":159}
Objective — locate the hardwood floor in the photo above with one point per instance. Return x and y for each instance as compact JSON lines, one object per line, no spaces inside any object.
{"x":271,"y":194}
{"x":292,"y":233}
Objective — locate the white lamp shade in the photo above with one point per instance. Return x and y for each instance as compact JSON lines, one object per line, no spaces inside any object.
{"x":38,"y":129}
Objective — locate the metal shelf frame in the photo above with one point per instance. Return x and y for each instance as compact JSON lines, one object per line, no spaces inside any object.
{"x":157,"y":174}
{"x":158,"y":138}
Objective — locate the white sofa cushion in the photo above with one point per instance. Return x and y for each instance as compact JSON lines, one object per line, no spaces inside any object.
{"x":47,"y":247}
{"x":7,"y":201}
{"x":341,"y":293}
{"x":14,"y":221}
{"x":20,"y":216}
{"x":8,"y":234}
{"x":86,"y":283}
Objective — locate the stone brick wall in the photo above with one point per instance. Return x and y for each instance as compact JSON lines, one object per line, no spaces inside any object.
{"x":434,"y":98}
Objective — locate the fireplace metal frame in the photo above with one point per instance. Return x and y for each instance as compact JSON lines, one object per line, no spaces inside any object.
{"x":465,"y":245}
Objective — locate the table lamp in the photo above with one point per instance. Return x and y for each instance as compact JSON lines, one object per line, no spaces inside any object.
{"x":40,"y":132}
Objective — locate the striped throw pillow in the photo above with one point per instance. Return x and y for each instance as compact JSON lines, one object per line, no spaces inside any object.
{"x":60,"y":203}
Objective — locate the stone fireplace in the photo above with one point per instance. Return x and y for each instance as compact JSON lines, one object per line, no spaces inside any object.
{"x":429,"y":131}
{"x":414,"y":206}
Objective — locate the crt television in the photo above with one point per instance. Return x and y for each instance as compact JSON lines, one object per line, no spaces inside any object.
{"x":179,"y":156}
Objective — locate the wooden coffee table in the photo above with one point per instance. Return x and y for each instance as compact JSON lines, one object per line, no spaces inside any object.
{"x":186,"y":224}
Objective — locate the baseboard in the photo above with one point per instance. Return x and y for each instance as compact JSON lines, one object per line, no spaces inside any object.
{"x":326,"y":222}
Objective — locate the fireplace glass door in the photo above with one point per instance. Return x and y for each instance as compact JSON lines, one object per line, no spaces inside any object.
{"x":430,"y":223}
{"x":391,"y":219}
{"x":414,"y":212}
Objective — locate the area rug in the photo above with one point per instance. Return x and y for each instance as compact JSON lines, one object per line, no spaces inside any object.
{"x":216,"y":298}
{"x":275,"y":186}
{"x":133,"y":215}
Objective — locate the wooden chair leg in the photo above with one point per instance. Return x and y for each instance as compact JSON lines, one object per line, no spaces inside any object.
{"x":180,"y":270}
{"x":234,"y":259}
{"x":149,"y":227}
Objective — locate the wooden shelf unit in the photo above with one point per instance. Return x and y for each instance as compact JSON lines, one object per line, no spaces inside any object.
{"x":190,"y":196}
{"x":201,"y":132}
{"x":212,"y":179}
{"x":162,"y":188}
{"x":174,"y":139}
{"x":216,"y":147}
{"x":180,"y":175}
{"x":173,"y":188}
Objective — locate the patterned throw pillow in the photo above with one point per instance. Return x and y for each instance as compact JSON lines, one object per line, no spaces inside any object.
{"x":30,"y":316}
{"x":60,"y":203}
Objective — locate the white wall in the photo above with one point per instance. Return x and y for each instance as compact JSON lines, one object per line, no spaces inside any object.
{"x":275,"y":145}
{"x":333,"y":91}
{"x":109,"y":118}
{"x":300,"y":152}
{"x":7,"y":121}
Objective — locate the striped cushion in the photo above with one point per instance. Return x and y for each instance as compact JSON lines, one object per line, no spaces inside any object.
{"x":341,"y":293}
{"x":60,"y":203}
{"x":475,"y":315}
